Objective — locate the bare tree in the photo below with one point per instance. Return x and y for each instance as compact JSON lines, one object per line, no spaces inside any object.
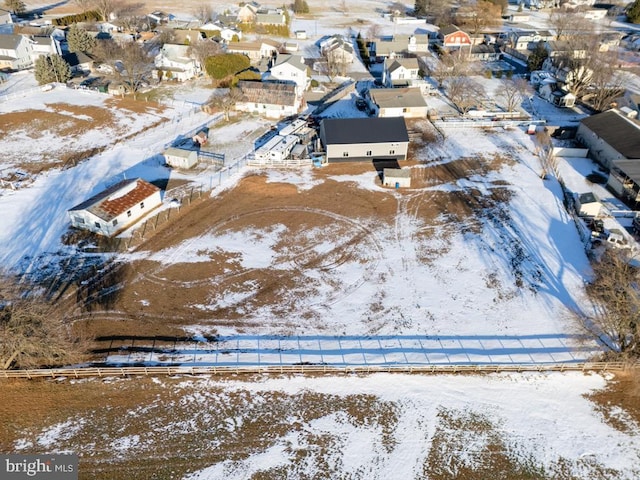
{"x":137,"y":65}
{"x":450,"y":65}
{"x":373,"y":32}
{"x":544,"y":151}
{"x":567,"y":23}
{"x":464,"y":92}
{"x":513,"y":92}
{"x":479,"y":15}
{"x":33,"y":333}
{"x":203,"y":49}
{"x":615,"y":318}
{"x":226,"y":102}
{"x":203,"y":12}
{"x":119,"y":8}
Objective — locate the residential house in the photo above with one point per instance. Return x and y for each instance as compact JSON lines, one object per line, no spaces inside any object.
{"x":15,"y":52}
{"x":116,"y":208}
{"x":630,"y":99}
{"x":364,"y":139}
{"x":272,"y":100}
{"x":452,"y":37}
{"x":337,"y":49}
{"x":159,"y":17}
{"x":290,"y":68}
{"x":80,"y":63}
{"x":248,"y":12}
{"x":397,"y":102}
{"x":528,"y":39}
{"x":255,"y":50}
{"x":551,"y":92}
{"x":272,"y":16}
{"x":180,"y":158}
{"x":395,"y":47}
{"x":187,"y":36}
{"x":175,"y":63}
{"x":44,"y":45}
{"x":400,"y":72}
{"x":613,"y":141}
{"x":484,"y":52}
{"x":227,"y":34}
{"x":564,"y":49}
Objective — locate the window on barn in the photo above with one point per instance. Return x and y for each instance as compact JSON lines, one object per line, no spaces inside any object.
{"x":392,"y":152}
{"x":345,"y":154}
{"x":115,"y":222}
{"x":141,"y":204}
{"x":98,"y":225}
{"x":78,"y":219}
{"x":128,"y":213}
{"x":368,"y":153}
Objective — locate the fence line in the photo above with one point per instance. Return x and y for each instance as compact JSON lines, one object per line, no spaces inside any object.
{"x":314,"y":369}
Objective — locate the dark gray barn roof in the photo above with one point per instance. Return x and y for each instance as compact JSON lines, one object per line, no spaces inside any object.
{"x":621,"y":133}
{"x":340,"y":131}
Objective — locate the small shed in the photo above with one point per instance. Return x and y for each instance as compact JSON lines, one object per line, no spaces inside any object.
{"x":116,"y":208}
{"x":201,"y":137}
{"x":179,"y":158}
{"x":588,"y":205}
{"x":396,"y":177}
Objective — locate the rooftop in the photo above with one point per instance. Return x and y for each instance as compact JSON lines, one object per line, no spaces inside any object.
{"x":364,"y":130}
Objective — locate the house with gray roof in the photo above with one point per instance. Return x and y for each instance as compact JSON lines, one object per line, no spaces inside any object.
{"x":174,"y":62}
{"x":15,"y":52}
{"x":268,"y":99}
{"x":364,"y":139}
{"x":398,"y":102}
{"x":400,"y":72}
{"x":613,"y":140}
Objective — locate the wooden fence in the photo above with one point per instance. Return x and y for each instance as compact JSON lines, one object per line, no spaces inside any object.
{"x":314,"y":369}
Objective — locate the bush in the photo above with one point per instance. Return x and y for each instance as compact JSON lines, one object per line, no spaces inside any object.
{"x":488,"y":74}
{"x":219,"y":67}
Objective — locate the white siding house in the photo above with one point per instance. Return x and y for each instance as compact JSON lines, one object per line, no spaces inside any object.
{"x":398,"y":102}
{"x":15,"y":52}
{"x":174,"y":63}
{"x":116,"y":208}
{"x":290,"y":68}
{"x":179,"y":158}
{"x":364,"y":139}
{"x":400,"y":72}
{"x":272,"y":100}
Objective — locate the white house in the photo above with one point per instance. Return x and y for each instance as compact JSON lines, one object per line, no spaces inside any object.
{"x":290,"y":68}
{"x":400,"y":72}
{"x":248,"y":12}
{"x":117,"y":207}
{"x":337,"y":49}
{"x":398,"y":102}
{"x":269,"y":99}
{"x":227,"y":34}
{"x":179,"y":158}
{"x":255,"y":50}
{"x":396,"y":177}
{"x":174,"y":63}
{"x":15,"y":52}
{"x":364,"y":139}
{"x":44,"y":45}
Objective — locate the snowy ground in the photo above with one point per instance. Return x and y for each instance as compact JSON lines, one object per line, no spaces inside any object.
{"x":380,"y":426}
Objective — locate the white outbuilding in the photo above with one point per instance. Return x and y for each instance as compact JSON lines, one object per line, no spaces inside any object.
{"x":116,"y":208}
{"x":396,"y":177}
{"x":179,"y":158}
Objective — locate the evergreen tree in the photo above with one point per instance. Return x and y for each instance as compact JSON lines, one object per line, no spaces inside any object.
{"x":300,"y":6}
{"x":420,"y":8}
{"x":537,"y":57}
{"x":633,"y":12}
{"x":52,"y":68}
{"x":79,"y":40}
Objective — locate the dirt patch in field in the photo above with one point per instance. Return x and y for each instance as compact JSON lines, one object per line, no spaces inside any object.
{"x":619,"y":403}
{"x":164,"y":293}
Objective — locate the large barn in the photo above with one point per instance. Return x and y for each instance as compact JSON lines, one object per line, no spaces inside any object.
{"x":364,"y":139}
{"x":117,"y":207}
